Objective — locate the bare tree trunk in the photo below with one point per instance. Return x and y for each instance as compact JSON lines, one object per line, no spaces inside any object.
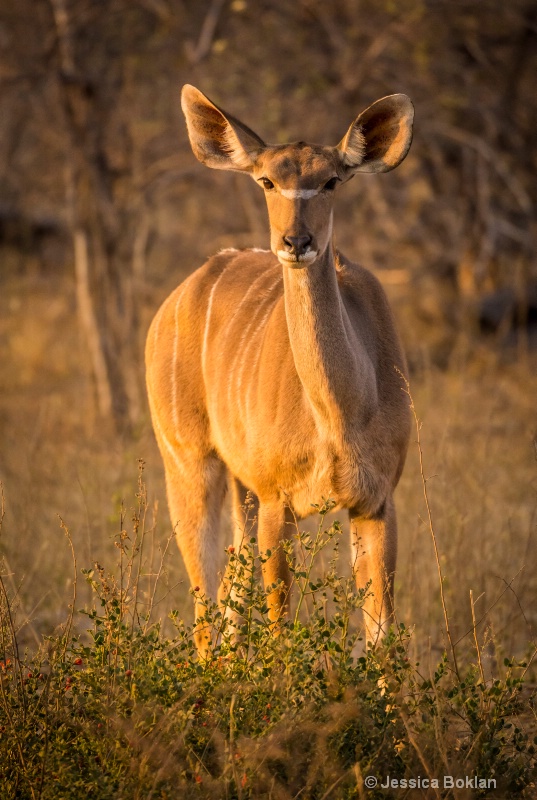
{"x":102,"y":237}
{"x":88,"y":323}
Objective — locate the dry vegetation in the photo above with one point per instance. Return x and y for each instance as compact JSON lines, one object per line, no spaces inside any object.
{"x":478,"y":440}
{"x":93,"y":151}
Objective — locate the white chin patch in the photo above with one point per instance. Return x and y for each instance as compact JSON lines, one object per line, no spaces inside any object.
{"x":288,"y":258}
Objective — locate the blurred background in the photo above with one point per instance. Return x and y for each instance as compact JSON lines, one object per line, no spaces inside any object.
{"x":104,"y":210}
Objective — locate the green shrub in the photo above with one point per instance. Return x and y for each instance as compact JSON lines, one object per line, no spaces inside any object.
{"x":125,"y":711}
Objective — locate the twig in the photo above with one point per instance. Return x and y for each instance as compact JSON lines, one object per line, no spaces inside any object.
{"x":45,"y":695}
{"x":157,"y":7}
{"x":509,"y":587}
{"x":476,"y":640}
{"x":417,"y":748}
{"x":207,"y":33}
{"x":328,"y":792}
{"x":491,"y":156}
{"x":2,"y":505}
{"x":152,"y":602}
{"x":530,"y":662}
{"x":22,"y":694}
{"x":14,"y":645}
{"x":486,"y":613}
{"x":417,"y":422}
{"x":69,"y":624}
{"x":140,"y":518}
{"x":14,"y":728}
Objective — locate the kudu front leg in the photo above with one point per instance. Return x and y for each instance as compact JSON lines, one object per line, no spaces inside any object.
{"x":374,"y":555}
{"x":275,"y":523}
{"x":195,"y":496}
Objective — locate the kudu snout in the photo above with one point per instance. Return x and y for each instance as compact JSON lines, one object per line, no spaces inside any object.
{"x":297,"y":245}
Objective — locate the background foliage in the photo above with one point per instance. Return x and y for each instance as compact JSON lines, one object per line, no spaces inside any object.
{"x":95,"y":163}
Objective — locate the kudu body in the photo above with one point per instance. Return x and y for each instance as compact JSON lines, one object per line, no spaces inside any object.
{"x":281,"y":371}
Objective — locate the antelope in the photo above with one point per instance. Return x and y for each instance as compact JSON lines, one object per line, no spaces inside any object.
{"x":280,"y":371}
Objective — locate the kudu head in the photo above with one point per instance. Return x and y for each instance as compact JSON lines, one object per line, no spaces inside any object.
{"x":299,"y":179}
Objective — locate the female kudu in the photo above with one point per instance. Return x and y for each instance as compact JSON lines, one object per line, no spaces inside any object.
{"x":281,"y":369}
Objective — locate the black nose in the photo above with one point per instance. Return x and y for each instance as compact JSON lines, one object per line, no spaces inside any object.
{"x":297,"y":245}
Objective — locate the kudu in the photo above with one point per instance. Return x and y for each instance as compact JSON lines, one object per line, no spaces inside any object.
{"x":282,"y":370}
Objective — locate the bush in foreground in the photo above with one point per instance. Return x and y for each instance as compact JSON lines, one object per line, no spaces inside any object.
{"x":124,"y":711}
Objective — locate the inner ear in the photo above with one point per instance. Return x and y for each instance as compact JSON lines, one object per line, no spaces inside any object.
{"x":379,"y":139}
{"x":218,"y":139}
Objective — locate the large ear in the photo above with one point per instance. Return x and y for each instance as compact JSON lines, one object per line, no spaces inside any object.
{"x":379,"y":139}
{"x":218,"y":140}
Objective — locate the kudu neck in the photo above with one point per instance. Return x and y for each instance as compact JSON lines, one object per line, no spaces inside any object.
{"x":335,"y":371}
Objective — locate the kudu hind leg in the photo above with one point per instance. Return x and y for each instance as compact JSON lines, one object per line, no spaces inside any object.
{"x":195,"y":496}
{"x":374,"y":555}
{"x":244,"y":516}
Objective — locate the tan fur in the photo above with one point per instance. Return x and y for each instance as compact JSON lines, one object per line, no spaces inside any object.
{"x":282,"y":372}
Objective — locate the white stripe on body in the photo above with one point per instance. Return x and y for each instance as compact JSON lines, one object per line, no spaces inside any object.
{"x":254,"y":361}
{"x":245,"y":407}
{"x":169,"y":447}
{"x":236,"y":250}
{"x":207,"y":322}
{"x":175,"y":416}
{"x":158,"y":320}
{"x":238,"y":349}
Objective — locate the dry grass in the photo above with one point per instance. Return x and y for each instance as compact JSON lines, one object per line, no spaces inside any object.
{"x":477,"y":436}
{"x":480,"y":469}
{"x":120,"y":710}
{"x":478,"y":425}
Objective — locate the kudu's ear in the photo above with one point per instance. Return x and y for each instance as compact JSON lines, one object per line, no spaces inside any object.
{"x":379,"y":139}
{"x":218,"y":140}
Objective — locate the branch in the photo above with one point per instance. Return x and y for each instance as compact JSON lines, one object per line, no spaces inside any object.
{"x":207,"y":33}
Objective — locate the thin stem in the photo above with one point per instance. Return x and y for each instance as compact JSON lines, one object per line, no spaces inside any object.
{"x":22,"y":695}
{"x":318,"y":544}
{"x":477,"y":647}
{"x":417,"y":423}
{"x":14,"y":727}
{"x":69,"y":624}
{"x":142,"y":513}
{"x":486,"y":613}
{"x":152,"y":602}
{"x":418,"y":751}
{"x":45,"y":694}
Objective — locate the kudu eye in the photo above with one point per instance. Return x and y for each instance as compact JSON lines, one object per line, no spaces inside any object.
{"x":267,"y":184}
{"x":330,"y":185}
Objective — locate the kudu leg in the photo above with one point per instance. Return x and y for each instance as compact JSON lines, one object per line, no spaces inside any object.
{"x":275,"y":523}
{"x":196,"y":492}
{"x":244,"y":516}
{"x":244,"y":513}
{"x":374,"y":555}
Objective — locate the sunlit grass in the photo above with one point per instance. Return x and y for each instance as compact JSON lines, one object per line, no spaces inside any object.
{"x":112,"y":706}
{"x":128,"y":723}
